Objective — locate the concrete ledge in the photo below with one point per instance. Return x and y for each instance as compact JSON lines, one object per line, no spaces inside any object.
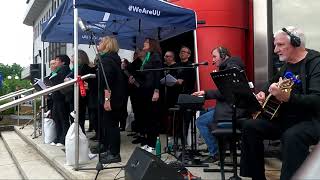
{"x":6,"y":128}
{"x":56,"y":158}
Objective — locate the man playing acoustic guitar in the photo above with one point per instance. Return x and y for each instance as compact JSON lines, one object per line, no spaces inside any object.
{"x":297,"y":120}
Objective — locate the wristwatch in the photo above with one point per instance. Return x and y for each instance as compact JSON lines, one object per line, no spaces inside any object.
{"x":107,"y":99}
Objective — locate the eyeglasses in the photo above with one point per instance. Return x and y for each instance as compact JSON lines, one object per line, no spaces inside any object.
{"x":167,"y":56}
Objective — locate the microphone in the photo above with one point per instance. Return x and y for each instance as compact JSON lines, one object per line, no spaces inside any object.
{"x":83,"y":26}
{"x":200,"y":64}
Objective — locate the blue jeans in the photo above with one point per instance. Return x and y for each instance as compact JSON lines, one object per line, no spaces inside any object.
{"x":204,"y":123}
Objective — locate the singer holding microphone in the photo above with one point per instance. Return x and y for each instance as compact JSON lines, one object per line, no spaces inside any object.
{"x":221,"y":57}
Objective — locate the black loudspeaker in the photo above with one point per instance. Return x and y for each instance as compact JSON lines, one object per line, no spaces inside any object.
{"x":35,"y":72}
{"x":143,"y":165}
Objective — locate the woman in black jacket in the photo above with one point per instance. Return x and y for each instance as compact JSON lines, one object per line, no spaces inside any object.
{"x":113,"y":98}
{"x":83,"y":69}
{"x":149,"y":91}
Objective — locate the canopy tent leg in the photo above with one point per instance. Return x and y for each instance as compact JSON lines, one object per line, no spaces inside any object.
{"x":196,"y":57}
{"x":76,"y":85}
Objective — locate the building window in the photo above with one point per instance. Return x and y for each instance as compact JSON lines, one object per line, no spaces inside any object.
{"x":57,"y":49}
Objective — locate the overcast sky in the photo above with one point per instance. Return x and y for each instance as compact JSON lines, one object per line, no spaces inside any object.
{"x":16,"y":38}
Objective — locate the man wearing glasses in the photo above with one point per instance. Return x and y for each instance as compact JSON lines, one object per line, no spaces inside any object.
{"x":186,"y":77}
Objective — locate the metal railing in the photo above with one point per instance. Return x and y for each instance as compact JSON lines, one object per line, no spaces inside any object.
{"x":43,"y":92}
{"x":14,"y":94}
{"x":3,"y":96}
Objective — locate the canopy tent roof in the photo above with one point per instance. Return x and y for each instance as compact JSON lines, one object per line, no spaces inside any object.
{"x":129,"y":20}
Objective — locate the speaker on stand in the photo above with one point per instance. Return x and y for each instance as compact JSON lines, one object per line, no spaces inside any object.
{"x":35,"y":72}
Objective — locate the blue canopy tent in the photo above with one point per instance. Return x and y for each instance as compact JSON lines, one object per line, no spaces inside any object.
{"x":130,"y":21}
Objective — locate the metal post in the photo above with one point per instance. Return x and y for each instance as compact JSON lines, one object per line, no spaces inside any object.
{"x":196,"y":57}
{"x":42,"y":97}
{"x":76,"y":85}
{"x":18,"y":106}
{"x":35,"y":118}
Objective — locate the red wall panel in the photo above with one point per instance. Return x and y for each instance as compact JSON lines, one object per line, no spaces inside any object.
{"x":226,"y":24}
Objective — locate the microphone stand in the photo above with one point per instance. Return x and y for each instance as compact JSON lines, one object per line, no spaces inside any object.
{"x":99,"y":167}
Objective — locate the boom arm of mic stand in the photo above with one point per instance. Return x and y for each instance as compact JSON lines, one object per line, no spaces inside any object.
{"x":162,"y":69}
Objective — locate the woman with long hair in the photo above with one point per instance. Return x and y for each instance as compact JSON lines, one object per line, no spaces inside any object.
{"x":112,"y":100}
{"x":83,"y":69}
{"x":149,"y":91}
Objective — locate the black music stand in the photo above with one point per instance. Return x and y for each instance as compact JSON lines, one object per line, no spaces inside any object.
{"x":233,"y":85}
{"x":188,"y":104}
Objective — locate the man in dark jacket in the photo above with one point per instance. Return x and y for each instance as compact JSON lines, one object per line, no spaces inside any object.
{"x":223,"y":111}
{"x":298,"y":117}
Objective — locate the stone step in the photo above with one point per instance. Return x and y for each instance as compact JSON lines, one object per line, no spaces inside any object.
{"x":57,"y":158}
{"x":30,"y":164}
{"x":8,"y":168}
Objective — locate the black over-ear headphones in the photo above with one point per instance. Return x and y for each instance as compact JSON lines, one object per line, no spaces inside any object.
{"x":222,"y":52}
{"x":294,"y":40}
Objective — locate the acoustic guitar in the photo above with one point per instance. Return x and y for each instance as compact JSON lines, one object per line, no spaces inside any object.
{"x":271,"y":105}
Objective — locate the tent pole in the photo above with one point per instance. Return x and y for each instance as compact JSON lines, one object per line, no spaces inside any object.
{"x":42,"y":97}
{"x":76,"y":85}
{"x":196,"y":57}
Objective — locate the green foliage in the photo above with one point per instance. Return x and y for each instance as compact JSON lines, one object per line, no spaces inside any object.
{"x":9,"y":85}
{"x":8,"y":111}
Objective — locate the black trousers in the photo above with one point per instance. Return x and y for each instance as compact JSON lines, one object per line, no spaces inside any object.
{"x":137,"y":106}
{"x":149,"y":117}
{"x":111,"y":130}
{"x":93,"y":118}
{"x":295,"y":146}
{"x":60,"y":116}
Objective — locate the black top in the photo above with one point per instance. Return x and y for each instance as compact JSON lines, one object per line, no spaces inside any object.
{"x":303,"y":105}
{"x":68,"y":91}
{"x":188,"y":76}
{"x":93,"y":89}
{"x":133,"y":70}
{"x":223,"y":110}
{"x":58,"y":79}
{"x":172,"y":91}
{"x":150,"y":80}
{"x":111,"y":63}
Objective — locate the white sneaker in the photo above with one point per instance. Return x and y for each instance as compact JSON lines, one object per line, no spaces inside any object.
{"x":52,"y":144}
{"x":59,"y":144}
